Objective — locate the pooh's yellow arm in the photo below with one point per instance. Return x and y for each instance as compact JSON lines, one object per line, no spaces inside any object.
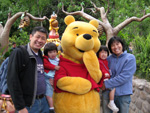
{"x":91,"y":62}
{"x":75,"y":85}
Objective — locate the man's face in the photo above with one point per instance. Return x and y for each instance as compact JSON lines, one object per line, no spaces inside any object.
{"x":37,"y":41}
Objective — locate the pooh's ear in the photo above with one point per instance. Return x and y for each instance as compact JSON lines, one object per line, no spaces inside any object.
{"x":94,"y":23}
{"x":69,"y":19}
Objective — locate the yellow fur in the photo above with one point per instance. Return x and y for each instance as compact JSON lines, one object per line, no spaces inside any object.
{"x":92,"y":65}
{"x":78,"y":96}
{"x":75,"y":85}
{"x":87,"y":103}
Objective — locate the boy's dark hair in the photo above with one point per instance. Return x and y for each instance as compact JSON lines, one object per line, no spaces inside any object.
{"x":13,"y":43}
{"x":40,"y":29}
{"x":49,"y":47}
{"x":103,"y":47}
{"x":115,"y":39}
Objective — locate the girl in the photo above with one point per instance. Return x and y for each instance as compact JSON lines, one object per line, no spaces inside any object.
{"x":102,"y":55}
{"x":50,"y":65}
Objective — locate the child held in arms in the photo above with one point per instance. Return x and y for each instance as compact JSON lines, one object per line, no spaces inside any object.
{"x":50,"y":66}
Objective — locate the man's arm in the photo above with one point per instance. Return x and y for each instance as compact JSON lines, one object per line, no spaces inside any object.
{"x":13,"y":81}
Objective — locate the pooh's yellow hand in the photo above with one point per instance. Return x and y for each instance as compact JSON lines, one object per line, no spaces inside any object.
{"x":75,"y":85}
{"x":91,"y":62}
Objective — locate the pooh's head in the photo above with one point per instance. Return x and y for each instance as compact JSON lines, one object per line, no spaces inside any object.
{"x":79,"y":37}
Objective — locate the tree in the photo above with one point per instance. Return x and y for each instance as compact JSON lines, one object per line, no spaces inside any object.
{"x":104,"y":22}
{"x":4,"y":31}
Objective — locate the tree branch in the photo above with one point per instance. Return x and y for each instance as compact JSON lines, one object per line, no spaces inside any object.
{"x":9,"y":15}
{"x":82,"y":8}
{"x":80,"y":13}
{"x":128,"y":21}
{"x":4,"y":36}
{"x":94,"y":11}
{"x":107,"y":8}
{"x":1,"y":29}
{"x":97,"y":9}
{"x":37,"y":18}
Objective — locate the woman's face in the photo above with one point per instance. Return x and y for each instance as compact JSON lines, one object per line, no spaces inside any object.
{"x":117,"y":48}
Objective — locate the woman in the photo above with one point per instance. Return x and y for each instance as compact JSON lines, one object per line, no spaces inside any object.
{"x":123,"y":67}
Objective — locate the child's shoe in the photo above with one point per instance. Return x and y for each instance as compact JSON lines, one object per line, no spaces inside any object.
{"x":113,"y":107}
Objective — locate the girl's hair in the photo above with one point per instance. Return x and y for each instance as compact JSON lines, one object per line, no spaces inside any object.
{"x":103,"y":47}
{"x":115,"y":39}
{"x":49,"y":47}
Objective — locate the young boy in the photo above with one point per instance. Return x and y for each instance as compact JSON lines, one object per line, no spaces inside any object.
{"x":50,"y":65}
{"x":102,"y":55}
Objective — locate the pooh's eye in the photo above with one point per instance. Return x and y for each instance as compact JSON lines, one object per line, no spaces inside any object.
{"x":77,"y":34}
{"x":95,"y":31}
{"x":75,"y":28}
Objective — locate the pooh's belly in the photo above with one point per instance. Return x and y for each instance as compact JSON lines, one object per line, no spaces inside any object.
{"x":65,"y":102}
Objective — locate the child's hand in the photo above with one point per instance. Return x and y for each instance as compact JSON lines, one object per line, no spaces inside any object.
{"x":57,"y":67}
{"x":51,"y":81}
{"x":103,"y":87}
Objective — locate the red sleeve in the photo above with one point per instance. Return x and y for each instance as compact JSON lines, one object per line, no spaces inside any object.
{"x":47,"y":65}
{"x":104,"y":71}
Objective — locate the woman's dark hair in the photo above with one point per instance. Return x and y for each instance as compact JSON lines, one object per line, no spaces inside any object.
{"x":115,"y":39}
{"x":49,"y":47}
{"x":103,"y":47}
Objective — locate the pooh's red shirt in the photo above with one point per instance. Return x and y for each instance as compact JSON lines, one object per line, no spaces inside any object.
{"x":72,"y":69}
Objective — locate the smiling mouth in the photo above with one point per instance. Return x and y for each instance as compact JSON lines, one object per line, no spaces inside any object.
{"x":81,"y":50}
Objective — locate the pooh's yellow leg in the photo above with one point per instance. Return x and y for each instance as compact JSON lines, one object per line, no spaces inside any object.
{"x":72,"y":103}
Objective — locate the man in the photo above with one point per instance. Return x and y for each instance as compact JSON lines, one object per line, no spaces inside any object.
{"x":27,"y":85}
{"x":14,"y":45}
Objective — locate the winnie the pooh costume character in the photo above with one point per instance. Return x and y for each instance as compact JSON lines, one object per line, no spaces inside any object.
{"x":75,"y":83}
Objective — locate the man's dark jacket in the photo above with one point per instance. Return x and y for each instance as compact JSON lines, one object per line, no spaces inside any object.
{"x":22,"y":77}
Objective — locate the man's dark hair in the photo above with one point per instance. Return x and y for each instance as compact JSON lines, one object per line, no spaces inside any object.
{"x":115,"y":39}
{"x":40,"y":29}
{"x":49,"y":47}
{"x":103,"y":47}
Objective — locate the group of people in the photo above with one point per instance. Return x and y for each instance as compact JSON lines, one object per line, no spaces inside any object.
{"x":29,"y":86}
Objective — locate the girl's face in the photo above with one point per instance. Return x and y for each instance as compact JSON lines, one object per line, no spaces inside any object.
{"x":103,"y":55}
{"x":117,"y":48}
{"x":52,"y":54}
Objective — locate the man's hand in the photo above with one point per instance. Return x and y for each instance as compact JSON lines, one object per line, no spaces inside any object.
{"x":57,"y":67}
{"x":24,"y":110}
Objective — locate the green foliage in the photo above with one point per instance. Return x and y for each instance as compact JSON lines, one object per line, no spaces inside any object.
{"x":142,"y":51}
{"x":21,"y":39}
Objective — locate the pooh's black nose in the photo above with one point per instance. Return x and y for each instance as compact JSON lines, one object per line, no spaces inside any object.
{"x":87,"y":36}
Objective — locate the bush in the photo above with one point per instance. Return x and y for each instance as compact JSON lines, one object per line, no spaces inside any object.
{"x":21,"y":39}
{"x":141,"y":51}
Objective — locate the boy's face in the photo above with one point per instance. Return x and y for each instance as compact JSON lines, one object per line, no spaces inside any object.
{"x":52,"y":54}
{"x":103,"y":55}
{"x":37,"y":41}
